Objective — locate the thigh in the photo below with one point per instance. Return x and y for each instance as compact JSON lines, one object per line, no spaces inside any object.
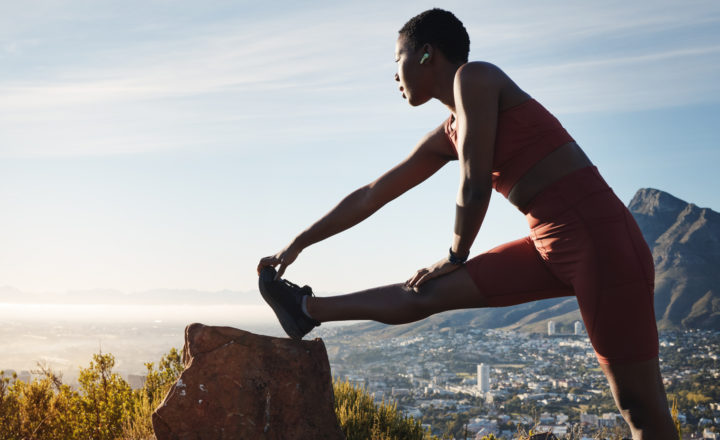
{"x":614,"y":288}
{"x":514,"y":273}
{"x":510,"y":274}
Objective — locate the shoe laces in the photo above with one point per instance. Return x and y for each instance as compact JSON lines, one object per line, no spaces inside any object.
{"x":302,"y":289}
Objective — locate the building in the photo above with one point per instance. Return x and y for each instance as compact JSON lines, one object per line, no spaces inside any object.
{"x":551,"y":328}
{"x":709,"y":435}
{"x":578,"y":328}
{"x":400,"y":391}
{"x":483,"y":378}
{"x":589,"y":419}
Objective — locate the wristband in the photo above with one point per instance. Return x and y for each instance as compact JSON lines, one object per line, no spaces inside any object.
{"x":453,"y":258}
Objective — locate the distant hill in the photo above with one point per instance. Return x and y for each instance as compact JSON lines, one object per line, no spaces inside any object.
{"x":12,"y":295}
{"x":685,"y":241}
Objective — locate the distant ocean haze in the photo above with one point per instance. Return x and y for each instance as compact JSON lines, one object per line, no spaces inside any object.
{"x":217,"y":314}
{"x":9,"y":294}
{"x":65,"y":330}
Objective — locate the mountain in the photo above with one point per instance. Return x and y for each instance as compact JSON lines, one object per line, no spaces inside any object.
{"x":685,"y":242}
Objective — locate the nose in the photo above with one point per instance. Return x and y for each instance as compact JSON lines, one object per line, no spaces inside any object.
{"x":397,"y":78}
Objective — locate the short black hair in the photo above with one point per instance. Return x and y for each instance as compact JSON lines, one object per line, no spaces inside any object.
{"x":441,"y":29}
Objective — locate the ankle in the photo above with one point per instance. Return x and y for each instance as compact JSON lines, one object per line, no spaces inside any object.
{"x":304,"y":306}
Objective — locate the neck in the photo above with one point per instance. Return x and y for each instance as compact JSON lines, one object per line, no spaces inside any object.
{"x":444,"y":90}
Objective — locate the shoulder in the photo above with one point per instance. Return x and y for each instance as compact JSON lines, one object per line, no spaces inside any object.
{"x":479,"y":75}
{"x":478,"y":67}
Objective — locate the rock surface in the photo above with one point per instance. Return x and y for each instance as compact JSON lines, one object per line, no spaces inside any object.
{"x":238,"y":385}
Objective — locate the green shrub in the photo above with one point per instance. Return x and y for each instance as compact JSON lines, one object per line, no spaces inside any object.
{"x":104,"y":407}
{"x":361,"y":419}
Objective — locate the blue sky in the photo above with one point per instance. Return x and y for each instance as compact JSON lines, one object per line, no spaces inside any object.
{"x":171,"y":144}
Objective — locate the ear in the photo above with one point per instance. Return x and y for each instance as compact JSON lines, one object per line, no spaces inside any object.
{"x":427,"y":49}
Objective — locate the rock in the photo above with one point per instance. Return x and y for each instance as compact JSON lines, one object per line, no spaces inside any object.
{"x":239,"y":385}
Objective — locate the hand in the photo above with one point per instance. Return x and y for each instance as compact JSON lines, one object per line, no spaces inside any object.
{"x":283,"y":258}
{"x":438,"y":269}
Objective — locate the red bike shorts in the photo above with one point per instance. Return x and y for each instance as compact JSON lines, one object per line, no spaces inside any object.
{"x":583,"y":242}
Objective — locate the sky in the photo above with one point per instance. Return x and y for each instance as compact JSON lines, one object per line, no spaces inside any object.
{"x":172,"y":144}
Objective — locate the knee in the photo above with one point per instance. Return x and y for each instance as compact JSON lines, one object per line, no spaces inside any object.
{"x":423,"y":302}
{"x":406,"y":305}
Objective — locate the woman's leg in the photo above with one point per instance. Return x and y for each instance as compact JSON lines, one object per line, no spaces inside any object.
{"x":624,"y":335}
{"x":640,"y":396}
{"x":512,"y":273}
{"x":614,"y":283}
{"x":397,"y":304}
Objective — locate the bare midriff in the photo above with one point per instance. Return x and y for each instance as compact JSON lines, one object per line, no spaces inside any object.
{"x":562,"y":161}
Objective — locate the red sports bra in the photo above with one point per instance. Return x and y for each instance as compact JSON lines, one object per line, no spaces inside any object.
{"x":525,"y":134}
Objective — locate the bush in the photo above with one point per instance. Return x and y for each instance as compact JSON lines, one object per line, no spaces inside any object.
{"x":361,"y":419}
{"x":104,"y":407}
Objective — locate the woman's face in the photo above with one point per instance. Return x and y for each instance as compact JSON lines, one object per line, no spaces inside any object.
{"x":411,"y":75}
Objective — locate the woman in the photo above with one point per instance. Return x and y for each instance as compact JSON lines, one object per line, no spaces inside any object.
{"x":583,"y":240}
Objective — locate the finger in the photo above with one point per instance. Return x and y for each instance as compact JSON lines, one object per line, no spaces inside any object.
{"x":266,"y":261}
{"x":416,"y":277}
{"x":411,"y":281}
{"x":437,"y":273}
{"x":281,"y":271}
{"x":427,"y":276}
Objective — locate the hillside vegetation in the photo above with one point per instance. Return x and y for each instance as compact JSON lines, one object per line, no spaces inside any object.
{"x":104,"y":407}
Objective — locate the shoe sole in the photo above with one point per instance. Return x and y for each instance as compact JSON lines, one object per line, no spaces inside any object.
{"x":286,"y":320}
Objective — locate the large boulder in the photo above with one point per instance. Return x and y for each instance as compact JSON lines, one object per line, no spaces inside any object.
{"x":239,"y":385}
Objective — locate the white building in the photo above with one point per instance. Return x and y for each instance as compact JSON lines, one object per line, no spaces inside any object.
{"x":590,"y":419}
{"x":400,"y":391}
{"x":578,"y":328}
{"x":483,"y":378}
{"x":709,"y":435}
{"x":551,"y":328}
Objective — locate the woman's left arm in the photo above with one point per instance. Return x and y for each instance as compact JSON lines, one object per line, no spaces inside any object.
{"x":476,"y":93}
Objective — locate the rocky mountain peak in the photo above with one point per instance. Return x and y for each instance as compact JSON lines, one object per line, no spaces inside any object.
{"x":651,"y":201}
{"x":655,"y":211}
{"x":685,"y":242}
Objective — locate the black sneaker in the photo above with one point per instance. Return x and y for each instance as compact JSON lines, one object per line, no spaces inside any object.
{"x":285,"y":298}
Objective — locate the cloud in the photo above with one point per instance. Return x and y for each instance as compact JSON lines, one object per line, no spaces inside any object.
{"x":628,"y":83}
{"x":183,"y":90}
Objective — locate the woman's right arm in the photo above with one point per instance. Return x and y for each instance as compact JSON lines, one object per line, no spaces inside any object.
{"x":431,"y":153}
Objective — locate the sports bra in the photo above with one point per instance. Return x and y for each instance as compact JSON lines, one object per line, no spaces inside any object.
{"x":525,"y":134}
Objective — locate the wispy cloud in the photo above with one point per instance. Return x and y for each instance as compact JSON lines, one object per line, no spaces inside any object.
{"x":627,"y":83}
{"x":145,"y":94}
